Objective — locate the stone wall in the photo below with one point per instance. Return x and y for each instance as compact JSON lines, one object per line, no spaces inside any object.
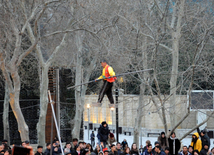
{"x":128,"y":109}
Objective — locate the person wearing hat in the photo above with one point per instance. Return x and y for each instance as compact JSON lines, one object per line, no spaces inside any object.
{"x":162,"y":140}
{"x":39,"y":150}
{"x":105,"y":151}
{"x":204,"y":137}
{"x":107,"y":82}
{"x":111,"y":139}
{"x":103,"y":132}
{"x":174,"y":144}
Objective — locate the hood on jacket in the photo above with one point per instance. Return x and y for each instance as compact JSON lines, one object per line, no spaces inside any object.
{"x":196,"y":134}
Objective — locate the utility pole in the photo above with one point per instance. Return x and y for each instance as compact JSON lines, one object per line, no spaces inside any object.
{"x":117,"y":95}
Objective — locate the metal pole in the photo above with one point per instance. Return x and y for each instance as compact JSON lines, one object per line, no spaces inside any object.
{"x":54,"y":115}
{"x":112,"y":119}
{"x":117,"y":94}
{"x":58,"y":98}
{"x":111,"y":76}
{"x":141,"y":137}
{"x":88,"y":123}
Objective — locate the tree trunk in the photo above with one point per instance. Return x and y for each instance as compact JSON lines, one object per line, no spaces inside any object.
{"x":14,"y":103}
{"x":43,"y":105}
{"x":138,"y":119}
{"x":6,"y":114}
{"x":175,"y":58}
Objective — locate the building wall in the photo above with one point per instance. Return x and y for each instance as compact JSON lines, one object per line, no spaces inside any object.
{"x":127,"y":108}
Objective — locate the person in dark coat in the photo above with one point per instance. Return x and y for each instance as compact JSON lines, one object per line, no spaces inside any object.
{"x":167,"y":151}
{"x":48,"y":149}
{"x":204,"y":137}
{"x":124,"y":143}
{"x":158,"y":151}
{"x":148,"y":151}
{"x":205,"y":149}
{"x":113,"y":150}
{"x":163,"y":140}
{"x":39,"y":150}
{"x":174,"y":144}
{"x":103,"y":132}
{"x":92,"y":136}
{"x":134,"y":149}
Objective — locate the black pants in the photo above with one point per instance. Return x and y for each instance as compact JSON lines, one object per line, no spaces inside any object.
{"x":106,"y":89}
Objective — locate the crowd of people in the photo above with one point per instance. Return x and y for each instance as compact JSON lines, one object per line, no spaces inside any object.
{"x":107,"y":145}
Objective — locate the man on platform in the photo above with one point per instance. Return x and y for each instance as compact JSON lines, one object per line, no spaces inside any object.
{"x":108,"y":80}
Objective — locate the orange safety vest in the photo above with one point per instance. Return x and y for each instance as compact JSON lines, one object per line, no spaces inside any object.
{"x":112,"y":79}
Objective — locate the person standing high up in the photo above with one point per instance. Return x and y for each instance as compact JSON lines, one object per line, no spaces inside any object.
{"x":108,"y":80}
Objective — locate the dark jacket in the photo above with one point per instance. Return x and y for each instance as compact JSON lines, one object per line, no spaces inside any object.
{"x":204,"y":152}
{"x":119,"y":151}
{"x":147,"y":153}
{"x":134,"y":152}
{"x":163,"y":142}
{"x":47,"y":152}
{"x":103,"y":132}
{"x":161,"y":153}
{"x":177,"y":145}
{"x":124,"y":144}
{"x":113,"y":153}
{"x":37,"y":153}
{"x":92,"y":136}
{"x":204,"y":139}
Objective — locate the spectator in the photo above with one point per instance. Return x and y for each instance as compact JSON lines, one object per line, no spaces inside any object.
{"x":106,"y":152}
{"x":141,"y":149}
{"x":190,"y":149}
{"x":27,"y":143}
{"x":146,"y":147}
{"x":118,"y":148}
{"x":101,"y":153}
{"x":167,"y":151}
{"x":39,"y":150}
{"x":134,"y":149}
{"x":204,"y":137}
{"x":88,"y":146}
{"x":67,"y":148}
{"x":74,"y":144}
{"x":113,"y":150}
{"x":158,"y":150}
{"x":97,"y":149}
{"x":205,"y":150}
{"x":48,"y":149}
{"x":162,"y":140}
{"x":127,"y":151}
{"x":124,"y":143}
{"x":156,"y":144}
{"x":195,"y":152}
{"x":56,"y":150}
{"x":111,"y":139}
{"x":6,"y":152}
{"x":196,"y":142}
{"x":212,"y":151}
{"x":149,"y":150}
{"x":92,"y":136}
{"x":4,"y":141}
{"x":103,"y":132}
{"x":184,"y":151}
{"x":174,"y":144}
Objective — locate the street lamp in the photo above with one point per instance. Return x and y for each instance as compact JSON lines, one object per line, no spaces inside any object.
{"x":88,"y":107}
{"x":112,"y":109}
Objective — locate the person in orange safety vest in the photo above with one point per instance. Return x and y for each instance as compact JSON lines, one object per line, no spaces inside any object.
{"x":108,"y":80}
